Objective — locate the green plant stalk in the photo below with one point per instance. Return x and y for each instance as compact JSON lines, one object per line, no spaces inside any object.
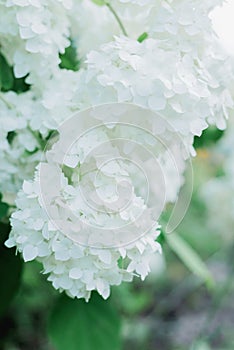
{"x":190,"y":258}
{"x":117,"y":18}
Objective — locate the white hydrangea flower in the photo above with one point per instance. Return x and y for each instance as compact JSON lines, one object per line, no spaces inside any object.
{"x":89,"y":215}
{"x":40,"y":32}
{"x":180,"y":25}
{"x":23,"y":124}
{"x":128,"y":71}
{"x":57,"y":98}
{"x":70,"y":218}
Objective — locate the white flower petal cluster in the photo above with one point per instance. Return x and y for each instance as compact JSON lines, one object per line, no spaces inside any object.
{"x":23,"y":124}
{"x":88,"y":216}
{"x":178,"y":86}
{"x":36,"y":32}
{"x":32,"y":34}
{"x":73,"y":267}
{"x":88,"y":233}
{"x":181,"y":25}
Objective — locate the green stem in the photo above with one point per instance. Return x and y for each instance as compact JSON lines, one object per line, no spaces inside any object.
{"x":117,"y":18}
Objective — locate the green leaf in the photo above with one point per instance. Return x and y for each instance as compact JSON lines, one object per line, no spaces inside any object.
{"x":190,"y":258}
{"x":132,"y":301}
{"x":99,"y":2}
{"x":8,"y":80}
{"x":10,"y":136}
{"x":10,"y":271}
{"x":209,"y":137}
{"x":75,"y":324}
{"x":3,"y":208}
{"x":20,"y":85}
{"x":69,"y":59}
{"x":6,"y":75}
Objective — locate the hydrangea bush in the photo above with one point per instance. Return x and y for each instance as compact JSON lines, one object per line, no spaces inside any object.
{"x":160,"y":57}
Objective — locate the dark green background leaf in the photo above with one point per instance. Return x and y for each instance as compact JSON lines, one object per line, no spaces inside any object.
{"x":6,"y":75}
{"x":3,"y":208}
{"x":75,"y":324}
{"x":209,"y":137}
{"x":7,"y":79}
{"x":10,"y":270}
{"x":69,"y":59}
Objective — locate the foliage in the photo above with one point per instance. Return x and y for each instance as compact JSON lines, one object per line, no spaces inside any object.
{"x":88,"y":326}
{"x":69,"y":59}
{"x":10,"y":270}
{"x":7,"y":80}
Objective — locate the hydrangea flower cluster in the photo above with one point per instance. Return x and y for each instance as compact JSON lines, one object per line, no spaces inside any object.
{"x":87,"y":233}
{"x":128,"y":71}
{"x":72,"y":266}
{"x":158,"y":55}
{"x":89,"y":215}
{"x":35,"y":32}
{"x":24,"y":126}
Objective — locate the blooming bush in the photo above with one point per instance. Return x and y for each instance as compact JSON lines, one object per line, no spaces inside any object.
{"x":96,"y":136}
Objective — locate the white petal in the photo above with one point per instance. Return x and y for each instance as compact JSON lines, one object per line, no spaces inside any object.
{"x":75,"y":273}
{"x":105,"y":256}
{"x":157,"y":103}
{"x":30,"y":252}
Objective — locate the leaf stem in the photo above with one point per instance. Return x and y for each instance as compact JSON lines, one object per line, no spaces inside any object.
{"x":117,"y":18}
